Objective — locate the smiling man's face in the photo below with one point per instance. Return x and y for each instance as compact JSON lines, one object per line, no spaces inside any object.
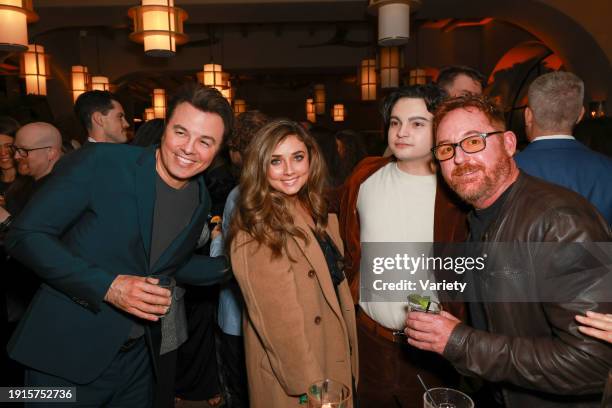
{"x":191,"y":140}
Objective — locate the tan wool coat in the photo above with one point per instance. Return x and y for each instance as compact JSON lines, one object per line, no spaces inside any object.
{"x":296,"y":330}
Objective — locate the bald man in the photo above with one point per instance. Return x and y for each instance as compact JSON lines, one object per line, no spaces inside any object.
{"x":39,"y":146}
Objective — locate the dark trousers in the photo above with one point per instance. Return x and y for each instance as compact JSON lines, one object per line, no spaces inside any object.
{"x":197,"y":378}
{"x":164,"y":387}
{"x":387,"y":372}
{"x":127,"y":382}
{"x":233,"y":370}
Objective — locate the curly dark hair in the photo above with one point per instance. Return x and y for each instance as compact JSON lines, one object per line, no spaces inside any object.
{"x":245,"y":127}
{"x":431,"y":94}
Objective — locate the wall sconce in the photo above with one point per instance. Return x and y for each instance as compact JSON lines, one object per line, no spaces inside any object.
{"x":159,"y":103}
{"x":393,"y":20}
{"x":597,"y":109}
{"x":149,"y":114}
{"x":100,"y":83}
{"x":391,"y":60}
{"x":14,"y":18}
{"x":417,"y":77}
{"x":34,"y":68}
{"x":338,"y":112}
{"x":159,"y":25}
{"x":319,"y":99}
{"x":368,"y":79}
{"x":239,"y":106}
{"x":311,"y":115}
{"x":80,"y":81}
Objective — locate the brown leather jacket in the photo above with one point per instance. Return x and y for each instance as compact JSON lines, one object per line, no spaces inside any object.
{"x":535,"y":349}
{"x":450,"y":223}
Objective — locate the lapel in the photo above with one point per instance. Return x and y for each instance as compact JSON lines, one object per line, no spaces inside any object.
{"x":314,"y":255}
{"x":198,"y":215}
{"x":145,"y":195}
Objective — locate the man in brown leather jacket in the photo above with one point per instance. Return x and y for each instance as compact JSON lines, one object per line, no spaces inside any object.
{"x":533,"y":349}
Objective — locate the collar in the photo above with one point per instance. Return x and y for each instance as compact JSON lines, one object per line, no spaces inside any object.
{"x":92,"y":140}
{"x":554,"y":137}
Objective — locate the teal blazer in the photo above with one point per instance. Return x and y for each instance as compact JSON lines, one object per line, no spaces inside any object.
{"x":92,"y":221}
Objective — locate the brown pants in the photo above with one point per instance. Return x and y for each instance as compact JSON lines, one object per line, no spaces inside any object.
{"x":387,"y":372}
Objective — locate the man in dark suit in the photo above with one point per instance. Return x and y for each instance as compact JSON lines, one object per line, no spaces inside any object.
{"x":108,"y":217}
{"x":553,"y":154}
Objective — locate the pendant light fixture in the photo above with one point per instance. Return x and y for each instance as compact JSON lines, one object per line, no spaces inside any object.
{"x":80,"y":81}
{"x":159,"y":103}
{"x":319,"y":99}
{"x":149,"y":114}
{"x":393,"y":20}
{"x":391,"y":61}
{"x":159,"y":25}
{"x":338,"y":113}
{"x":367,"y":77}
{"x":34,"y":68}
{"x":239,"y":106}
{"x":14,"y":18}
{"x":310,"y":110}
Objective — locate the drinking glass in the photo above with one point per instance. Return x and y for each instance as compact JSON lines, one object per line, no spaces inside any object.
{"x":328,"y":394}
{"x":447,"y":398}
{"x":418,"y":303}
{"x":166,"y":282}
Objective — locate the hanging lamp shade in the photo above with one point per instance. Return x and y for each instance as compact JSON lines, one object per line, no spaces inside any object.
{"x":393,"y":20}
{"x":368,"y":79}
{"x":100,"y":83}
{"x":391,"y":61}
{"x":229,"y":92}
{"x":159,"y":25}
{"x":212,"y":75}
{"x":159,"y":103}
{"x":311,"y":115}
{"x":417,"y":76}
{"x":35,"y":68}
{"x":319,"y":99}
{"x":80,"y":81}
{"x":149,"y":114}
{"x":338,"y":112}
{"x":239,"y":106}
{"x":14,"y":18}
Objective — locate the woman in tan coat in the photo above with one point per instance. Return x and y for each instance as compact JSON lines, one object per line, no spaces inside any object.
{"x":286,"y":255}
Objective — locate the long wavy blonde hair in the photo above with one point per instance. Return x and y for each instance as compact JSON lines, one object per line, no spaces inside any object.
{"x":262,"y":211}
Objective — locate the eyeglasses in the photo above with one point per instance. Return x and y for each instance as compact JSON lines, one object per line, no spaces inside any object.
{"x":23,"y":152}
{"x":7,"y":146}
{"x":474,"y":143}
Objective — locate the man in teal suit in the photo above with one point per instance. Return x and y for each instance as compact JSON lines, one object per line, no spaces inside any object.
{"x":109,"y":216}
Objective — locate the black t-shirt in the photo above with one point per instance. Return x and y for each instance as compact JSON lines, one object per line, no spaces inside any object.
{"x":173,"y":212}
{"x":480,"y":221}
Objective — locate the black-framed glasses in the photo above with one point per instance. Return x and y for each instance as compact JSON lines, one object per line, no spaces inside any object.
{"x":473,"y":143}
{"x":23,"y":152}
